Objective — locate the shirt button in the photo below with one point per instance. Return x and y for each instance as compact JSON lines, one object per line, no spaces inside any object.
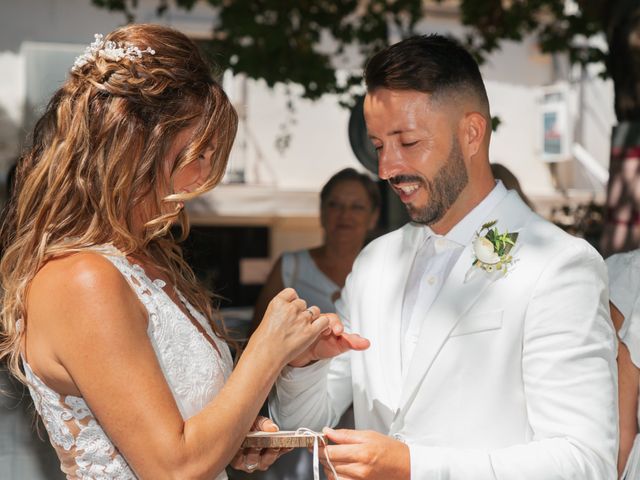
{"x":431,"y":280}
{"x":441,"y":243}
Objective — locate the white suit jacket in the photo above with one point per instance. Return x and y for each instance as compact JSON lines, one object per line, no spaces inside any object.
{"x":513,"y":377}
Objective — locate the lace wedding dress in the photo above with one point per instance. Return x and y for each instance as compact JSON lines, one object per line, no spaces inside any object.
{"x":192,"y":367}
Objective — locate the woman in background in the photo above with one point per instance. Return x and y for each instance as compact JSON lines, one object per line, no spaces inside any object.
{"x":510,"y":181}
{"x":349,"y":209}
{"x":624,"y":290}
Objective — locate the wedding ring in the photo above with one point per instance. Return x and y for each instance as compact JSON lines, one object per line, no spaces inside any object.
{"x":251,"y":467}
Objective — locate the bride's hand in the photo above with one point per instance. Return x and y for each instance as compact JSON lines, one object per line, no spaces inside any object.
{"x":288,"y":327}
{"x":333,"y":341}
{"x":252,"y":459}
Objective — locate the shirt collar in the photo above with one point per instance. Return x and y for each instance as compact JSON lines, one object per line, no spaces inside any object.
{"x":462,"y":233}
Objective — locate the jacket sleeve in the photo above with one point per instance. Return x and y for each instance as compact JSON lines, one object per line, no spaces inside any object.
{"x":569,"y":373}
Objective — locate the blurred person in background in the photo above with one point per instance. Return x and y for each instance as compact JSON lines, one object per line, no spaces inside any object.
{"x":624,"y":291}
{"x":510,"y":181}
{"x":349,"y":209}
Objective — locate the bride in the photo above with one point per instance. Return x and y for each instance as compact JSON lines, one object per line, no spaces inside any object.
{"x":101,"y":316}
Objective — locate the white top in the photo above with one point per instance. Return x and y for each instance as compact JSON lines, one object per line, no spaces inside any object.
{"x":193,"y":369}
{"x":432,"y":264}
{"x":624,"y":292}
{"x":301,"y":273}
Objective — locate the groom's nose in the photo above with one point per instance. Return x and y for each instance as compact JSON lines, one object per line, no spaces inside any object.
{"x":390,"y":162}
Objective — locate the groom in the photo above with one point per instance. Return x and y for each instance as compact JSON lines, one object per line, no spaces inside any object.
{"x":472,"y":373}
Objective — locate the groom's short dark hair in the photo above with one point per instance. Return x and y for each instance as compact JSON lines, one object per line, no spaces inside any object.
{"x":431,"y":64}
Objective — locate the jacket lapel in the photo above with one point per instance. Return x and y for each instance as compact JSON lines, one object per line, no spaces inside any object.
{"x":457,"y":296}
{"x":397,"y":265}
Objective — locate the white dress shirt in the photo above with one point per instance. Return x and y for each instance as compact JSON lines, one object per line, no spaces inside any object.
{"x":431,"y":266}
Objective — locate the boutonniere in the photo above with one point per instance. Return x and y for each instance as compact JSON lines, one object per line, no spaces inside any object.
{"x":492,"y":248}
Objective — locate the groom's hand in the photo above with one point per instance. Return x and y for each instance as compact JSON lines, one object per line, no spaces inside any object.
{"x":333,"y":341}
{"x":252,"y":459}
{"x":369,"y":455}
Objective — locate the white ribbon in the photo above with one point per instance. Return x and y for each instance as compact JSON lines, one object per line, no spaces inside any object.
{"x":316,"y":460}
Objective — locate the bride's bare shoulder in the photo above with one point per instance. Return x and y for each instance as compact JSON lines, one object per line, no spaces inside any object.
{"x":81,"y":272}
{"x":78,"y":305}
{"x":70,"y":286}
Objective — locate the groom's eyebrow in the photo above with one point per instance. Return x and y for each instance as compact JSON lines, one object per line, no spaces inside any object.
{"x":394,"y":132}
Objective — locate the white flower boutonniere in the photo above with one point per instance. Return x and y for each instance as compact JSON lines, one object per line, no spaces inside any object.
{"x":491,"y":248}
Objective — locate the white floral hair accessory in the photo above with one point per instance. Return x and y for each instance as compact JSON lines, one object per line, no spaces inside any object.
{"x":110,"y":50}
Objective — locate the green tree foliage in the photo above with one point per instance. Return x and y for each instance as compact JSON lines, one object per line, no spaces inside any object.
{"x":568,"y":26}
{"x":302,"y":41}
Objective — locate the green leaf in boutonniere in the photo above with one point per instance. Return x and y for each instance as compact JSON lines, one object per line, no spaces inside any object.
{"x":492,"y":248}
{"x":488,"y":225}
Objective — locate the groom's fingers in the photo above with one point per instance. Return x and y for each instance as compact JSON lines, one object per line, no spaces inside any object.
{"x":349,"y":341}
{"x":348,"y":436}
{"x":346,"y":472}
{"x":355,"y":341}
{"x":342,"y":454}
{"x":341,"y":475}
{"x":335,"y":323}
{"x":352,"y":468}
{"x":348,"y":448}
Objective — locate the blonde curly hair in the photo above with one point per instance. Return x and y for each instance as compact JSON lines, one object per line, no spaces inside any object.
{"x":98,"y":152}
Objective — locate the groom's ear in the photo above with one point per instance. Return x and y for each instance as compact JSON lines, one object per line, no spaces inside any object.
{"x":473,"y":134}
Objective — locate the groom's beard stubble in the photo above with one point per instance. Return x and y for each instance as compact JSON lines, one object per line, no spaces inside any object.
{"x":442,"y":191}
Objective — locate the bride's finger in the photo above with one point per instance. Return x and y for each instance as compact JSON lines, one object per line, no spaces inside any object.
{"x":267,"y":458}
{"x":313,"y":311}
{"x":252,"y":459}
{"x":299,"y":304}
{"x":264,"y":424}
{"x":236,"y":461}
{"x":319,"y":325}
{"x":288,"y":294}
{"x":282,"y":451}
